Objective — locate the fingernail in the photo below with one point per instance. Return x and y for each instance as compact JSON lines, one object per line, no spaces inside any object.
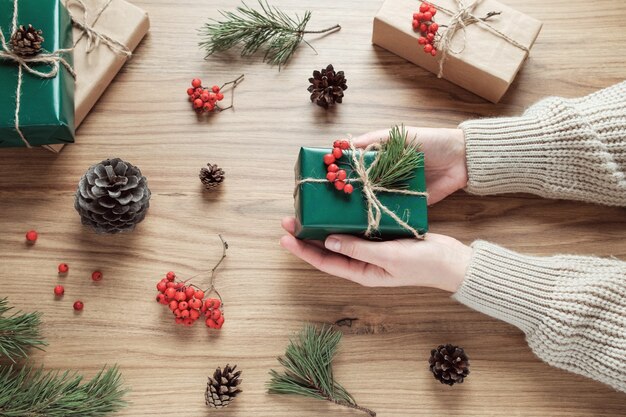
{"x":333,"y":244}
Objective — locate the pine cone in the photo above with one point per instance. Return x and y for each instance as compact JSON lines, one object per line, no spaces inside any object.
{"x":223,"y":387}
{"x":449,"y":364}
{"x":327,"y":86}
{"x":212,"y":176}
{"x":112,"y":196}
{"x":26,"y":41}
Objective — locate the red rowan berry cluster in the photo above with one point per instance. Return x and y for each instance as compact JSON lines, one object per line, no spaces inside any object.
{"x":204,"y":100}
{"x":424,"y":24}
{"x":336,"y":175}
{"x":188,"y":303}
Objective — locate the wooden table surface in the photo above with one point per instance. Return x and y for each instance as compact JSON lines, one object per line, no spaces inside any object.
{"x":144,"y":118}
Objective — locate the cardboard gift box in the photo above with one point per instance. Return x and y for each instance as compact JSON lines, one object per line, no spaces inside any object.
{"x":43,"y":111}
{"x":97,"y":65}
{"x":483,"y":56}
{"x":321,"y":210}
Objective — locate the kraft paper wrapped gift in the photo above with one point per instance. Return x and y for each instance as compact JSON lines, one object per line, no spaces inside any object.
{"x":97,"y":65}
{"x":484,"y":57}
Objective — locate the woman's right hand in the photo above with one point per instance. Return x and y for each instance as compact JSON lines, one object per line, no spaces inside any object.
{"x":444,"y":157}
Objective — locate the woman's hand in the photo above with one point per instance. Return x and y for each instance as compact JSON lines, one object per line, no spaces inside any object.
{"x":437,"y":261}
{"x":444,"y":157}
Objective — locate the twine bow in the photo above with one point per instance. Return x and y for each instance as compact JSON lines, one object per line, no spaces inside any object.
{"x":375,"y":208}
{"x":459,"y":21}
{"x":94,"y":37}
{"x":52,"y":59}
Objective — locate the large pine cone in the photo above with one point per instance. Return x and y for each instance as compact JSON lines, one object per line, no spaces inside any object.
{"x":223,"y":387}
{"x":26,"y":41}
{"x":327,"y":86}
{"x":112,"y":196}
{"x":449,"y":364}
{"x":212,"y":176}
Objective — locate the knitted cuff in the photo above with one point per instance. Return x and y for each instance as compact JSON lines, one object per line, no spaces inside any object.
{"x":508,"y":286}
{"x":505,"y":155}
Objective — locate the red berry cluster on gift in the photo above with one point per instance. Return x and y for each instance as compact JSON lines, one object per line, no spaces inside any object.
{"x":188,"y":303}
{"x":204,"y":100}
{"x":336,"y":175}
{"x":424,"y":24}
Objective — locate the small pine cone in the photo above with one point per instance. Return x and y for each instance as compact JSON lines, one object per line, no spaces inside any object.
{"x":26,"y":41}
{"x":327,"y":86}
{"x":212,"y":176}
{"x":223,"y":387}
{"x":449,"y":364}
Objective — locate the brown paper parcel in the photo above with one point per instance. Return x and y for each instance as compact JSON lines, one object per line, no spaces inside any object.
{"x":486,"y":64}
{"x":95,"y":70}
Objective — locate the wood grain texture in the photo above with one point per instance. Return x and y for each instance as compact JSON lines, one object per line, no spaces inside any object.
{"x":144,"y":117}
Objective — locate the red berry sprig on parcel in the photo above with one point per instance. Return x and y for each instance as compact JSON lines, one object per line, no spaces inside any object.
{"x":424,"y":24}
{"x":334,"y":174}
{"x":189,"y":303}
{"x":205,"y":100}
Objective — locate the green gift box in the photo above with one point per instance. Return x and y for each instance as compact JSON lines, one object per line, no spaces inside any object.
{"x":322,"y":210}
{"x":46,"y":109}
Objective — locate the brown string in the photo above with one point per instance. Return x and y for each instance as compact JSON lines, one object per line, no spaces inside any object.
{"x":94,"y":37}
{"x":375,"y":207}
{"x":459,"y":20}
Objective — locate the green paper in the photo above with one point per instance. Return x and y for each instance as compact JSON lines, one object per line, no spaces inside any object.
{"x":321,"y":210}
{"x":46,"y":113}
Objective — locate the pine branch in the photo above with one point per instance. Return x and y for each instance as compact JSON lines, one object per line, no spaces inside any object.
{"x":18,"y":332}
{"x":39,"y":393}
{"x":268,"y":27}
{"x":397,"y":161}
{"x":308,"y":368}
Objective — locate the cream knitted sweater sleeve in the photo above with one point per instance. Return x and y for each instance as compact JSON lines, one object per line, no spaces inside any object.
{"x":559,"y":148}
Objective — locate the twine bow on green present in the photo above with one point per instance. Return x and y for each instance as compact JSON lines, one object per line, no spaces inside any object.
{"x":394,"y":164}
{"x":459,"y":20}
{"x":53,"y":61}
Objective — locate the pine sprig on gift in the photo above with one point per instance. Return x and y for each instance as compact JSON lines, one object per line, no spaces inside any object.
{"x":18,"y":332}
{"x":396,"y":161}
{"x":39,"y":393}
{"x":308,"y":368}
{"x":269,"y":27}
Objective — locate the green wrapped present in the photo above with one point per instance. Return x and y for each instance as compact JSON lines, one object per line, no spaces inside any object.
{"x":36,"y":86}
{"x":322,"y":210}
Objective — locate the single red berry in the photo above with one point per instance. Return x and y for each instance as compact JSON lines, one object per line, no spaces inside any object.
{"x":63,"y":268}
{"x":331,"y":176}
{"x":216,"y":89}
{"x":433,"y":52}
{"x":194,"y":315}
{"x":428,"y":16}
{"x":160,"y":298}
{"x":170,"y":293}
{"x":209,"y":107}
{"x":171,"y":285}
{"x":195,"y":303}
{"x":196,"y":83}
{"x":220,"y":96}
{"x":430,"y":37}
{"x":183,"y":305}
{"x":199,"y":294}
{"x":420,"y":16}
{"x":415,"y":16}
{"x":31,"y":236}
{"x":204,"y":96}
{"x":197,"y":103}
{"x":178,"y":320}
{"x":422,"y":40}
{"x":176,"y":312}
{"x":433,"y":27}
{"x":337,"y":153}
{"x":161,"y":287}
{"x":428,"y":48}
{"x":96,"y":276}
{"x":424,"y":7}
{"x":220,"y":322}
{"x":171,"y":276}
{"x":344,"y":145}
{"x":190,"y":91}
{"x":190,"y":292}
{"x":415,"y":24}
{"x":173,"y":305}
{"x":342,"y":175}
{"x":180,"y":296}
{"x":216,"y":314}
{"x":187,"y":322}
{"x":337,"y":144}
{"x":339,"y":185}
{"x":433,"y":11}
{"x":333,"y":168}
{"x":348,"y":189}
{"x":329,"y":158}
{"x":78,"y":305}
{"x":423,"y":27}
{"x":59,"y":290}
{"x":184,"y":313}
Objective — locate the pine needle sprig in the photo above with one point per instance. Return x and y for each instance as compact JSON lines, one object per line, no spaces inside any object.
{"x":38,"y":393}
{"x":268,"y":27}
{"x":397,"y":161}
{"x":18,"y":332}
{"x":308,"y":368}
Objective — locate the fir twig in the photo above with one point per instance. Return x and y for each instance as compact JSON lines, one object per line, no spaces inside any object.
{"x":268,"y":27}
{"x":18,"y":332}
{"x":396,"y":161}
{"x":308,"y":368}
{"x":39,"y":393}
